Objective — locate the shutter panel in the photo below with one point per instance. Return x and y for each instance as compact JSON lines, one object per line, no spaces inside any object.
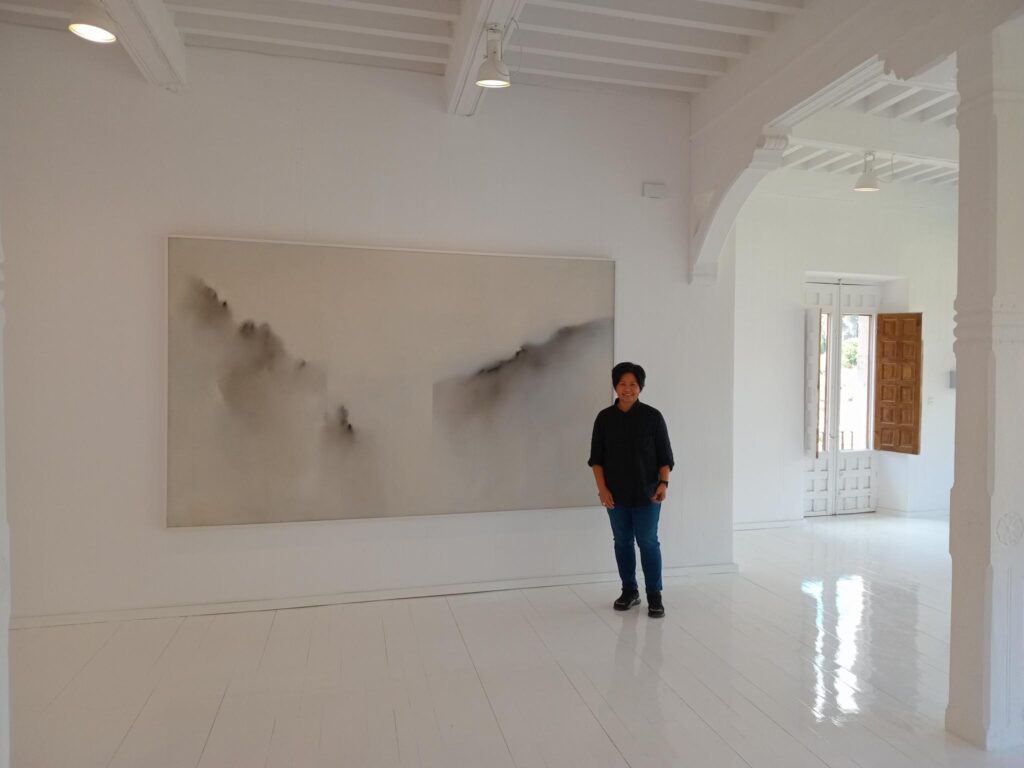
{"x":898,"y":363}
{"x":812,"y":359}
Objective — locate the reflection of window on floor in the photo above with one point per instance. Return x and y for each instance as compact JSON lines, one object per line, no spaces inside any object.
{"x":836,"y":684}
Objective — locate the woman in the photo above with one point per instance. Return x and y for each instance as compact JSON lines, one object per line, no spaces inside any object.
{"x":631,"y":457}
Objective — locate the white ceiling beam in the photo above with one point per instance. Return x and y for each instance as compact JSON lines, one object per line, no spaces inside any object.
{"x":311,"y":17}
{"x":595,"y":50}
{"x":572,"y":84}
{"x":683,"y":13}
{"x":146,"y":31}
{"x":940,"y":76}
{"x":941,"y":111}
{"x":606,"y":72}
{"x":211,"y":38}
{"x":883,"y":158}
{"x":560,"y":22}
{"x":832,"y":157}
{"x":926,"y":169}
{"x":905,"y":170}
{"x":695,"y":47}
{"x":315,"y":52}
{"x":893,"y":167}
{"x":922,"y":83}
{"x":311,"y":34}
{"x":856,"y":160}
{"x":469,"y":48}
{"x":917,"y":103}
{"x":903,"y":138}
{"x":937,"y":174}
{"x":441,"y":10}
{"x":561,"y":54}
{"x":148,"y":34}
{"x":862,"y":93}
{"x":802,"y":155}
{"x":33,"y":10}
{"x":950,"y":180}
{"x":555,"y":73}
{"x":882,"y":100}
{"x":770,"y":6}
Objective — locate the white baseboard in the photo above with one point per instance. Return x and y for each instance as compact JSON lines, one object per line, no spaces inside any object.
{"x":204,"y":609}
{"x":937,"y":514}
{"x":767,"y":524}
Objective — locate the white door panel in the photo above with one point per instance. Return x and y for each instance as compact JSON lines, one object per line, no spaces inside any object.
{"x":838,"y":481}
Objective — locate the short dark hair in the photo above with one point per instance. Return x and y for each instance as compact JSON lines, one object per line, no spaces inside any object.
{"x":622,"y":369}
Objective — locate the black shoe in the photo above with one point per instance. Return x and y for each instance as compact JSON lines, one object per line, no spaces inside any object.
{"x":627,"y":600}
{"x":655,"y":608}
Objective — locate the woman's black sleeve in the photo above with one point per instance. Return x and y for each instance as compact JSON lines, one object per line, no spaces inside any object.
{"x":596,"y":445}
{"x":662,"y":446}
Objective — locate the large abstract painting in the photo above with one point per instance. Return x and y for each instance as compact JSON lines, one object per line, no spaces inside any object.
{"x":318,"y":382}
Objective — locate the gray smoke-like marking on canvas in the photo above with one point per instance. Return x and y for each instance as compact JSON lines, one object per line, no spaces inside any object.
{"x":514,"y":434}
{"x":265,"y":441}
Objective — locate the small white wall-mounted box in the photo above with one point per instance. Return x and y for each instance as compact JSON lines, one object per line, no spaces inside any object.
{"x":655,"y":190}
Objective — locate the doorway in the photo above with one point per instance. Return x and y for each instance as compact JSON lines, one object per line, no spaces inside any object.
{"x":841,"y":467}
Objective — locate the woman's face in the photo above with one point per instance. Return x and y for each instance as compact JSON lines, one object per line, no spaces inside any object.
{"x":628,"y":389}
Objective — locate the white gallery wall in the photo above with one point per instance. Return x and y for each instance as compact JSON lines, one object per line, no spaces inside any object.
{"x":799,"y":222}
{"x":98,"y":168}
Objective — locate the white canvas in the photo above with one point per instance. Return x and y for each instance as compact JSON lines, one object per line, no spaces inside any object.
{"x":320,"y":382}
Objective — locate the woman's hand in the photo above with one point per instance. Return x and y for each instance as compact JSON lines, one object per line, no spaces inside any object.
{"x":661,"y":494}
{"x":606,"y":497}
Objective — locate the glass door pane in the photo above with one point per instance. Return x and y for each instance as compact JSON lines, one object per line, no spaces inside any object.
{"x":855,"y":384}
{"x":824,"y":383}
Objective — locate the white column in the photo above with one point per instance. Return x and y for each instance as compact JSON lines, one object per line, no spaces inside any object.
{"x":986,"y":696}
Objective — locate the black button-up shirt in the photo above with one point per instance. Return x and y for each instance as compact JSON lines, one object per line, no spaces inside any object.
{"x":631,"y":446}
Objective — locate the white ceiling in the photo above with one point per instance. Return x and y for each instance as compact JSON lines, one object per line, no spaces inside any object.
{"x":679,"y":46}
{"x":928,"y":101}
{"x":672,"y":47}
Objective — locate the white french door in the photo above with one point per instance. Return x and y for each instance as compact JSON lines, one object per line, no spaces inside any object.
{"x":841,"y":469}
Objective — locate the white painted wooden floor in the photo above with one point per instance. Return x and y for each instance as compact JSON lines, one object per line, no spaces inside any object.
{"x":828,"y":649}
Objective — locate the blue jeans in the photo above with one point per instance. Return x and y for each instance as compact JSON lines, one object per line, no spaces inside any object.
{"x":639,"y":524}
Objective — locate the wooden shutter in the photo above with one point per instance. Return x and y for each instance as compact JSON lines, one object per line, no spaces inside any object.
{"x":898,"y":358}
{"x":812,"y":361}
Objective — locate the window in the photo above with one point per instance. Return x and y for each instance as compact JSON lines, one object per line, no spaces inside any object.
{"x":855,"y":383}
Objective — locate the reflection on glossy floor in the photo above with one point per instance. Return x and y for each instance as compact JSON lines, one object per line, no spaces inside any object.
{"x":828,"y":649}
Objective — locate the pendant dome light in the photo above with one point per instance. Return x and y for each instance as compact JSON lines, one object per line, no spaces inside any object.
{"x":868,"y":181}
{"x":493,"y":72}
{"x":91,"y":22}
